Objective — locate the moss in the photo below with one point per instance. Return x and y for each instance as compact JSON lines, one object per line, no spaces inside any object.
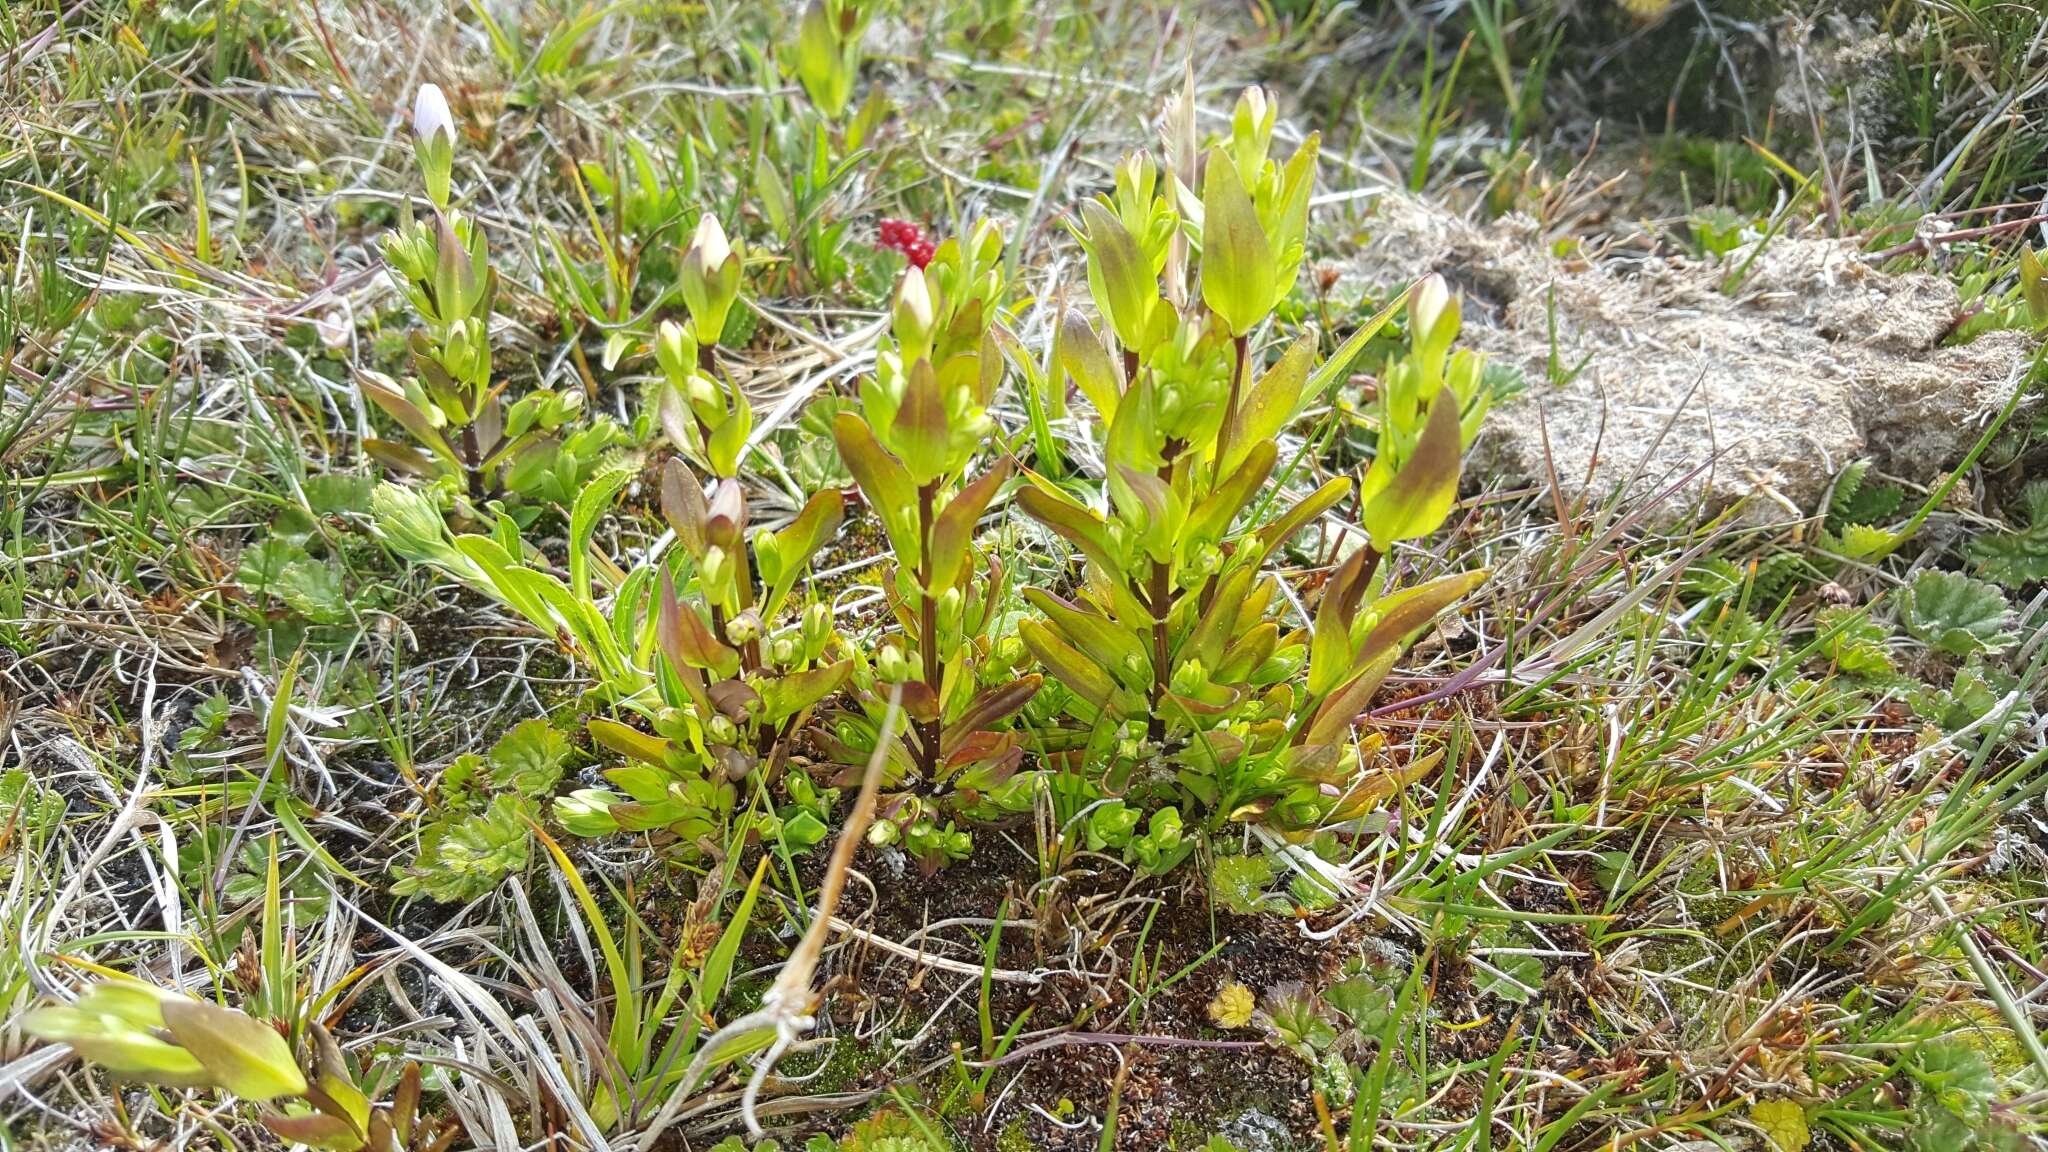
{"x":1014,"y":1139}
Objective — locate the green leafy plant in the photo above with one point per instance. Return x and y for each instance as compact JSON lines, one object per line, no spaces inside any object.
{"x":827,"y":55}
{"x":138,"y":1031}
{"x":483,"y":811}
{"x":1956,"y":614}
{"x":462,"y":429}
{"x":632,"y":205}
{"x":1173,"y":645}
{"x":733,"y":678}
{"x":2019,"y":555}
{"x":923,"y":417}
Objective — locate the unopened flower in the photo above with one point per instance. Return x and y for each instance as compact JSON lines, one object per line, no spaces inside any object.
{"x":430,"y":115}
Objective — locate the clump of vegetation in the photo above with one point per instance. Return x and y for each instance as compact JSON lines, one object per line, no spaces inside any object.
{"x":843,"y":577}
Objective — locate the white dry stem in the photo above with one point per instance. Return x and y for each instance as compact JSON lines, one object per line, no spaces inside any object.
{"x":786,"y":1007}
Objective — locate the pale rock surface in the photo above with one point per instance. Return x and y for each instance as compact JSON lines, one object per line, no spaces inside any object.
{"x":1815,"y":360}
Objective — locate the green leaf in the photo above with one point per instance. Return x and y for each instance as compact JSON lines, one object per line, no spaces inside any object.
{"x":1069,"y":667}
{"x":953,"y":529}
{"x":1272,"y":402}
{"x":1044,"y":502}
{"x":1864,"y":542}
{"x":591,"y":504}
{"x":1783,"y":1123}
{"x":464,"y":857}
{"x":2017,"y":557}
{"x":240,"y":1054}
{"x":1238,"y":883}
{"x":785,"y":696}
{"x":529,"y":758}
{"x":2033,"y":286}
{"x":1083,"y":356}
{"x":313,"y":589}
{"x":115,"y":1044}
{"x":1853,"y":641}
{"x":314,"y":1130}
{"x":1402,"y":614}
{"x":1334,"y":369}
{"x":922,"y":434}
{"x":628,"y":741}
{"x":1121,"y":279}
{"x":890,"y":491}
{"x":1415,"y":498}
{"x":796,"y":544}
{"x":1334,"y":719}
{"x":1957,"y":614}
{"x":1237,"y":261}
{"x":1213,"y":516}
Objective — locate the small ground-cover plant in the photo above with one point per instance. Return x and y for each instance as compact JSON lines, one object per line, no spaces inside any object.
{"x":922,"y":422}
{"x":1172,"y":651}
{"x":538,"y":447}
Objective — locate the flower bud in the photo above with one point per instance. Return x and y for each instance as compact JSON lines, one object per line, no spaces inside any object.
{"x":817,"y":627}
{"x":1427,"y":305}
{"x":1009,"y":652}
{"x":1251,"y":133}
{"x":891,"y":666}
{"x":433,"y":127}
{"x":722,"y":731}
{"x":883,"y":833}
{"x":783,"y":652}
{"x":710,"y":279}
{"x":912,"y":315}
{"x":716,"y":567}
{"x":676,"y":351}
{"x":744,"y":628}
{"x":430,"y":115}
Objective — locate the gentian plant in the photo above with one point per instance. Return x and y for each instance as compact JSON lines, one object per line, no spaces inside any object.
{"x":537,"y":447}
{"x":1172,"y":648}
{"x":911,"y":447}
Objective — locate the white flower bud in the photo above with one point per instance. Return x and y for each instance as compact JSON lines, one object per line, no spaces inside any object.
{"x":430,"y":115}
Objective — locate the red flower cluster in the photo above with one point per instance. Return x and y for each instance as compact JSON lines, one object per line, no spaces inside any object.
{"x":907,"y":238}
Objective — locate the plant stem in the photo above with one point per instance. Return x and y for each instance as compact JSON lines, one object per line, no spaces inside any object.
{"x":1157,"y":597}
{"x":472,"y":463}
{"x":929,"y":732}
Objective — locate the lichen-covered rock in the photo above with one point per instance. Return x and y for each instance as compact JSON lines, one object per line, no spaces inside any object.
{"x":1762,"y":392}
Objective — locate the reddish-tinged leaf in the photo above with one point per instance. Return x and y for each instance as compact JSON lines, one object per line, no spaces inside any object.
{"x":1080,"y":526}
{"x":1343,"y":707}
{"x":1084,"y":358}
{"x":1419,"y":496}
{"x":1281,"y":530}
{"x":240,"y":1053}
{"x":788,"y":695}
{"x":687,"y":641}
{"x":682,"y":505}
{"x":991,"y":707}
{"x":1213,"y":516}
{"x":953,"y":530}
{"x":922,"y":433}
{"x":313,"y":1129}
{"x":1407,"y":612}
{"x":920,"y":703}
{"x":1120,"y":655}
{"x":886,"y":483}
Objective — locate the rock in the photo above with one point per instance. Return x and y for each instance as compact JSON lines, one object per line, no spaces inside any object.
{"x":1816,"y":359}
